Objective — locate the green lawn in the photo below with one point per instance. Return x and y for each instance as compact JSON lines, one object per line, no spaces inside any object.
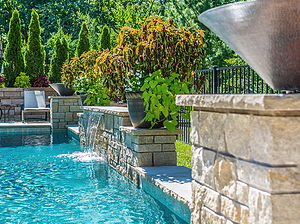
{"x":184,"y":154}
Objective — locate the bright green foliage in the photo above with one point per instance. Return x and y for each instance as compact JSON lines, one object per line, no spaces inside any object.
{"x":97,"y":95}
{"x":105,"y":39}
{"x":159,"y":98}
{"x":13,"y":58}
{"x":60,"y":55}
{"x":83,"y":41}
{"x":22,"y":81}
{"x":34,"y":51}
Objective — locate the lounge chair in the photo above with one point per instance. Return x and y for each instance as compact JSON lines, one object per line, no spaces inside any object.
{"x":34,"y":101}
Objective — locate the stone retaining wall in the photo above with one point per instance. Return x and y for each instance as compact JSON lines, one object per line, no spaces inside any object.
{"x":245,"y":158}
{"x":64,"y":111}
{"x":125,"y":147}
{"x":16,"y":96}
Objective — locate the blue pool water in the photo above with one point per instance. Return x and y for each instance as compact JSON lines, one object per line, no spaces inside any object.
{"x":49,"y":179}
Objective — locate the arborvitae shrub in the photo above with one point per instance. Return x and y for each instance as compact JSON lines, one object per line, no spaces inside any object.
{"x":60,"y":55}
{"x":105,"y":39}
{"x":34,"y":51}
{"x":83,"y":41}
{"x":13,"y":58}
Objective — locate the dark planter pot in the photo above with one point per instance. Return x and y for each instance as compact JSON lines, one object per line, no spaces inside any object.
{"x":136,"y":110}
{"x":83,"y":96}
{"x":62,"y":90}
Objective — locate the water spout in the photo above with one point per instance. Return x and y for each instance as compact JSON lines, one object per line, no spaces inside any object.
{"x":91,"y":132}
{"x":266,"y":34}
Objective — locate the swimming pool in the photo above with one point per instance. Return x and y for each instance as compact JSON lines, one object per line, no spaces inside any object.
{"x":49,"y":179}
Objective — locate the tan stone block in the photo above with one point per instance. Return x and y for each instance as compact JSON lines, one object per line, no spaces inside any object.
{"x":15,"y":93}
{"x":1,"y":94}
{"x":5,"y":101}
{"x":75,"y":115}
{"x":54,"y":125}
{"x":147,"y":147}
{"x":58,"y":115}
{"x":230,"y":209}
{"x":210,"y":217}
{"x":275,"y":140}
{"x":212,"y":130}
{"x":60,"y":102}
{"x":164,"y":159}
{"x":225,"y":175}
{"x":168,"y":147}
{"x":75,"y":109}
{"x":204,"y":196}
{"x":242,"y":192}
{"x":17,"y":101}
{"x":164,"y":139}
{"x":54,"y":107}
{"x":69,"y":117}
{"x":63,"y":109}
{"x":145,"y":159}
{"x":203,"y":161}
{"x":142,"y":139}
{"x":62,"y":125}
{"x":237,"y":135}
{"x":270,"y":179}
{"x":109,"y":123}
{"x":195,"y":128}
{"x":126,"y":121}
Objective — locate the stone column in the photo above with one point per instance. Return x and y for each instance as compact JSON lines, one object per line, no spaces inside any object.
{"x":245,"y":157}
{"x":64,"y":111}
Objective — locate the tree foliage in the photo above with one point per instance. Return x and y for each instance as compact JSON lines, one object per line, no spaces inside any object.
{"x":186,"y":12}
{"x":83,"y":41}
{"x":13,"y":63}
{"x":61,"y":54}
{"x":105,"y":39}
{"x":34,"y":51}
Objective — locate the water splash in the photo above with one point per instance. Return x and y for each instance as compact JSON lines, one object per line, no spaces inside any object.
{"x":91,"y":132}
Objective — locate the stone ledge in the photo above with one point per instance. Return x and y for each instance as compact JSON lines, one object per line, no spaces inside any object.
{"x":63,"y":97}
{"x":153,"y":132}
{"x":121,"y":111}
{"x":258,"y":104}
{"x":173,"y":181}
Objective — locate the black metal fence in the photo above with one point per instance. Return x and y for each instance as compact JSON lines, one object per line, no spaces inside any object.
{"x":229,"y":80}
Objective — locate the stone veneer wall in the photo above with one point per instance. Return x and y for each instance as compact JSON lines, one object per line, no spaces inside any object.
{"x":16,"y":96}
{"x":245,"y":158}
{"x":125,"y":147}
{"x":64,"y":111}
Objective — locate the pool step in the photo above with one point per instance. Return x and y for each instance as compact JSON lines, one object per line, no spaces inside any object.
{"x":25,"y":127}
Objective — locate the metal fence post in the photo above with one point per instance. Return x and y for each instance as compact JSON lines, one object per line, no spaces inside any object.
{"x":215,"y":80}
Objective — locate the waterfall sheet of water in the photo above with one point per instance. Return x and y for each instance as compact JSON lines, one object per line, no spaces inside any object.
{"x":91,"y":132}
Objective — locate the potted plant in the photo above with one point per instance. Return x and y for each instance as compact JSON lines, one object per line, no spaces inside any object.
{"x":160,"y":56}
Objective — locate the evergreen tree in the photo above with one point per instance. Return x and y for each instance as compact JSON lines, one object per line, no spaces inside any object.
{"x":13,"y":63}
{"x":60,"y":55}
{"x":34,"y":51}
{"x":105,"y":39}
{"x":83,"y":41}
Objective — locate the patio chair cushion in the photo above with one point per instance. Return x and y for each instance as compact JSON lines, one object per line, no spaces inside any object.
{"x":34,"y":99}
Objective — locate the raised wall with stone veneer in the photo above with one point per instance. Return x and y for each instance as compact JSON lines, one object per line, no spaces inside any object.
{"x":64,"y":110}
{"x":245,"y":158}
{"x":125,"y":147}
{"x":15,"y":96}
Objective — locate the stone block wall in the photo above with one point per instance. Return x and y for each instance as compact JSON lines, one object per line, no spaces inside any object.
{"x":125,"y":147}
{"x":15,"y":96}
{"x":245,"y":158}
{"x":64,"y":111}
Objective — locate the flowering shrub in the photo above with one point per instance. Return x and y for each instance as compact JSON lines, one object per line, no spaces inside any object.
{"x":41,"y":81}
{"x":1,"y":81}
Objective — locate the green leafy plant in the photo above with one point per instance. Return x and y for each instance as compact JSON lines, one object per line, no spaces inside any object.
{"x":61,"y":54}
{"x":83,"y":41}
{"x":97,"y":95}
{"x":13,"y":58}
{"x":22,"y":81}
{"x":159,"y":98}
{"x":34,"y":50}
{"x":105,"y":39}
